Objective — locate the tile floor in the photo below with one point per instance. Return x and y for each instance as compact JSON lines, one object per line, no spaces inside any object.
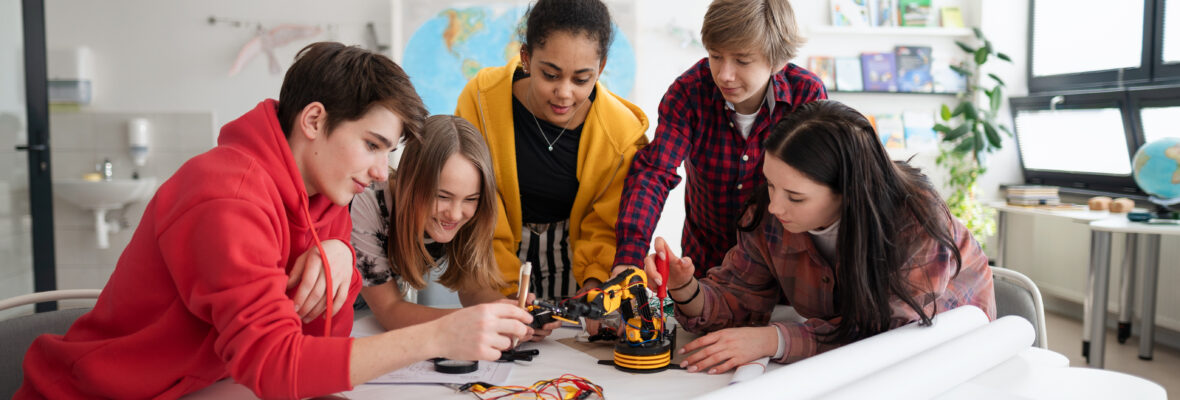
{"x":1065,"y":337}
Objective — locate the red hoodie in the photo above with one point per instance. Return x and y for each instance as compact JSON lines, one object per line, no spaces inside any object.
{"x":200,"y":292}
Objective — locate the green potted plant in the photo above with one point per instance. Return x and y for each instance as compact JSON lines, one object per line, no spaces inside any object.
{"x":970,"y":130}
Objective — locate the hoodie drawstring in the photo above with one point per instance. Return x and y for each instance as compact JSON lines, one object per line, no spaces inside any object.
{"x":327,"y":271}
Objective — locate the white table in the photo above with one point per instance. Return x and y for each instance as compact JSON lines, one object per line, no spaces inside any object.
{"x":555,"y":359}
{"x":1100,"y":273}
{"x":1085,"y":217}
{"x":1033,"y":373}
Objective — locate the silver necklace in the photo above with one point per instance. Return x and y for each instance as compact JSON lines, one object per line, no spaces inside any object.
{"x":543,"y":136}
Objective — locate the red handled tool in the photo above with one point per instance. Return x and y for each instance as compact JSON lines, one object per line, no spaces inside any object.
{"x":662,"y":268}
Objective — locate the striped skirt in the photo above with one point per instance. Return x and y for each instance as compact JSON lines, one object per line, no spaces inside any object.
{"x":547,"y":247}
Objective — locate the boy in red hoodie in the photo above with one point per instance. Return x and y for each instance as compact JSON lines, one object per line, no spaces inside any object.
{"x":201,"y":291}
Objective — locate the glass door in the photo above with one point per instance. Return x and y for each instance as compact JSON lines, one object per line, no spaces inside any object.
{"x":26,"y":208}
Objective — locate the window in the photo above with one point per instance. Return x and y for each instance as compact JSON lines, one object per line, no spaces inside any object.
{"x":1080,"y":140}
{"x":1104,"y":78}
{"x":1159,"y":122}
{"x":1076,"y":141}
{"x":1090,"y":44}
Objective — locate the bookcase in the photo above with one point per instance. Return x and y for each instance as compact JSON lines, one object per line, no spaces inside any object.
{"x":826,"y":40}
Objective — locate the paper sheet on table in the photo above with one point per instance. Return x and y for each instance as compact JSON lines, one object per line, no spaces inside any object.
{"x":945,"y":366}
{"x":492,"y":372}
{"x":423,"y":371}
{"x":814,"y":376}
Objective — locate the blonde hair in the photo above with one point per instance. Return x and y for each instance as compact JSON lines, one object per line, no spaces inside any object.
{"x":414,"y":186}
{"x":770,"y":24}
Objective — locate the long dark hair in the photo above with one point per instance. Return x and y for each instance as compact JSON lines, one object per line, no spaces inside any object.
{"x":884,"y":204}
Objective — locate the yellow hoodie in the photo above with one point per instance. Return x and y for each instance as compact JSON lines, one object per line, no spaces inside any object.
{"x":613,"y":132}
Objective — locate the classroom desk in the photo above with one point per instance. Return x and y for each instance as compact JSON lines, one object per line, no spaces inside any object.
{"x":1085,"y":217}
{"x":1034,"y":370}
{"x":1100,"y":232}
{"x":555,"y":359}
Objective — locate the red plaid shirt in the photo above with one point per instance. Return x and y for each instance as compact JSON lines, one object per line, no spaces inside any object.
{"x":724,"y":169}
{"x":771,"y":262}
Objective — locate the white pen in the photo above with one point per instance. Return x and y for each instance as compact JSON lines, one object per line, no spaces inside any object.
{"x":522,"y":289}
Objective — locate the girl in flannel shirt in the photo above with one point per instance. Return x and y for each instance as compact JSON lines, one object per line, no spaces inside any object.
{"x":858,"y":243}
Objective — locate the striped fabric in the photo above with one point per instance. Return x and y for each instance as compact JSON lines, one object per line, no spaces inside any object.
{"x":547,"y":247}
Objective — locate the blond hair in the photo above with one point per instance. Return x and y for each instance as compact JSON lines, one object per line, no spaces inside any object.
{"x":414,"y":186}
{"x":768,"y":24}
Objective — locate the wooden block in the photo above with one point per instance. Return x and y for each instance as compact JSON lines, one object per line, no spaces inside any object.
{"x":1099,"y":203}
{"x":1122,"y":205}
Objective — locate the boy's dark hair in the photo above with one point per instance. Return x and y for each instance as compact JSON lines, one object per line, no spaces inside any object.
{"x":589,"y":17}
{"x":768,"y":26}
{"x":889,"y":212}
{"x":348,"y":81}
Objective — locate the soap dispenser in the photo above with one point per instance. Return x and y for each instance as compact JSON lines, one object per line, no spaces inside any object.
{"x":108,"y":170}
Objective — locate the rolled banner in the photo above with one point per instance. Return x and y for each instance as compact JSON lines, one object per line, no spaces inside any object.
{"x":829,"y":371}
{"x":750,"y":370}
{"x":955,"y":362}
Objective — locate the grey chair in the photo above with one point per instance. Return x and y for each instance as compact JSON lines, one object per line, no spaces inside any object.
{"x":1016,"y":294}
{"x":16,"y":334}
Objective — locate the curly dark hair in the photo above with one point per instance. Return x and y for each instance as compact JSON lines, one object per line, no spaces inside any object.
{"x":589,"y":17}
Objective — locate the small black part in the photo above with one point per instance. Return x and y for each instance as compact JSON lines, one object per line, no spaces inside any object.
{"x":1124,"y":332}
{"x":1145,"y":358}
{"x":448,"y":366}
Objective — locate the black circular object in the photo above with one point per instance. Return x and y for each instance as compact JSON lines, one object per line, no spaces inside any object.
{"x":449,"y":366}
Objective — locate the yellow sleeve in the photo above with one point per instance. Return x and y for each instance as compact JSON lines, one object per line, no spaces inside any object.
{"x":504,"y":247}
{"x":468,"y":106}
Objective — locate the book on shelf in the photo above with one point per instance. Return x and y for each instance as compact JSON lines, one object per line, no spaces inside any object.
{"x":883,"y":12}
{"x":919,"y":130}
{"x":943,"y":78}
{"x":913,"y":69}
{"x":891,"y":130}
{"x":952,"y":17}
{"x":1031,"y":190}
{"x":1035,"y":202}
{"x":850,"y":13}
{"x":825,"y":68}
{"x":848,"y":74}
{"x":879,"y":72}
{"x":914,"y":12}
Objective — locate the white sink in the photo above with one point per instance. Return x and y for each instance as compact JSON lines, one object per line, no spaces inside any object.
{"x":104,"y":195}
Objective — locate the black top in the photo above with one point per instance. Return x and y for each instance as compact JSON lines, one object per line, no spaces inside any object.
{"x":548,"y":179}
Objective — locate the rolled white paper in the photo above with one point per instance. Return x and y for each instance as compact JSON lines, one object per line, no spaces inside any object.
{"x":750,"y":370}
{"x":825,"y":372}
{"x":945,"y":366}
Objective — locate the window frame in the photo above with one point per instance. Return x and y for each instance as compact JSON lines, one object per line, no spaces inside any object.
{"x":1163,"y":72}
{"x":1110,"y":78}
{"x":1079,"y":181}
{"x":1168,"y":96}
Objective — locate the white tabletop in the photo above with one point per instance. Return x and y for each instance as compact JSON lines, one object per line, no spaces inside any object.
{"x":1080,"y":214}
{"x":555,"y":359}
{"x":1123,"y":225}
{"x":1031,"y":374}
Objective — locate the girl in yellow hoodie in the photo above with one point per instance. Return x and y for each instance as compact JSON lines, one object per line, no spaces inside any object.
{"x":561,"y":146}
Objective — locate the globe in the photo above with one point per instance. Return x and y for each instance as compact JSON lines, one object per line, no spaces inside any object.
{"x":1157,"y":168}
{"x":451,"y":47}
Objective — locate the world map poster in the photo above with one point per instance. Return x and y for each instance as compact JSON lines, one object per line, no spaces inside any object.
{"x":445,"y":43}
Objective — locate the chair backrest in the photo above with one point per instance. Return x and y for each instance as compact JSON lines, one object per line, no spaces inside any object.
{"x":16,"y":334}
{"x":1016,"y":294}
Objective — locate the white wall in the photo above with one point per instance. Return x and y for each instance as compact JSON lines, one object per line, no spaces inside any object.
{"x":154,"y":56}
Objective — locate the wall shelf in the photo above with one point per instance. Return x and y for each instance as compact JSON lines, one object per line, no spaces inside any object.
{"x":841,"y":92}
{"x":891,"y":31}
